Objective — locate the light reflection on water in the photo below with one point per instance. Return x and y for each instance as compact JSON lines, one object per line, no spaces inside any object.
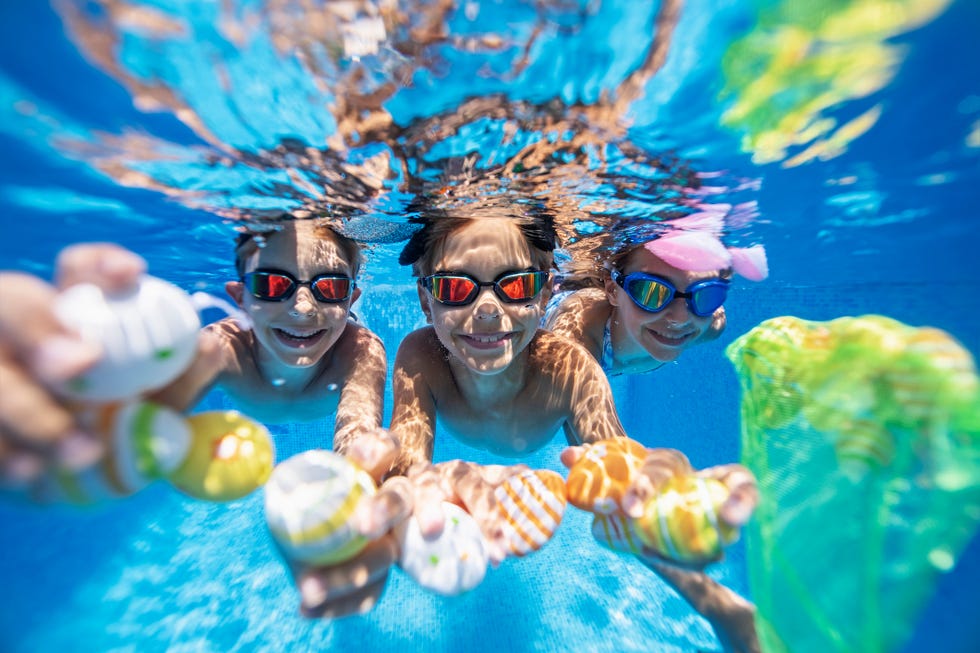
{"x":617,"y":115}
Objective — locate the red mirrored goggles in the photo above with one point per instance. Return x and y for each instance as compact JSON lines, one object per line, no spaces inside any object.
{"x":454,"y":289}
{"x":278,"y":286}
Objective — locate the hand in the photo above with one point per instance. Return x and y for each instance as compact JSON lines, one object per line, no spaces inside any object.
{"x":37,"y":430}
{"x":473,"y":487}
{"x":354,"y":586}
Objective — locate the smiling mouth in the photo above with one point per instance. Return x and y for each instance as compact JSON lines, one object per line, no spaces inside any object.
{"x":487,"y":340}
{"x":671,"y":341}
{"x":298,"y":339}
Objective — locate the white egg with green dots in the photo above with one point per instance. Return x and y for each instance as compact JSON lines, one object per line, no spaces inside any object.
{"x":148,"y":337}
{"x":450,"y":563}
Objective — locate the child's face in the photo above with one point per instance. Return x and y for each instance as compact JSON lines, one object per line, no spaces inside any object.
{"x":666,"y":334}
{"x":300,"y":330}
{"x":488,"y":334}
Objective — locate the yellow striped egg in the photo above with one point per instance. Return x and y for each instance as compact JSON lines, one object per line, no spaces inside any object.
{"x":309,"y":501}
{"x":617,"y":532}
{"x":531,"y":505}
{"x":598,"y":480}
{"x":143,"y":442}
{"x":681,"y":521}
{"x":230,"y":456}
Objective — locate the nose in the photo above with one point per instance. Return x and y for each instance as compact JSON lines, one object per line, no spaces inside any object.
{"x":304,"y":303}
{"x":487,"y":305}
{"x":677,"y":311}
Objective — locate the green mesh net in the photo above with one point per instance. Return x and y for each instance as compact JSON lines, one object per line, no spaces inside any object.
{"x":864,"y":434}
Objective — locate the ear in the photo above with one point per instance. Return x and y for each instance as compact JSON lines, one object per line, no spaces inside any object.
{"x":610,"y":287}
{"x":235,"y":290}
{"x":354,"y":296}
{"x":424,"y":303}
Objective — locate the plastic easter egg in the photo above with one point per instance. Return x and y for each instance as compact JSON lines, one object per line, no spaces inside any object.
{"x":617,"y":532}
{"x":531,"y":505}
{"x":230,"y":456}
{"x":598,"y":480}
{"x":863,"y":445}
{"x":143,"y":442}
{"x":453,"y":562}
{"x":309,"y":501}
{"x":681,"y":521}
{"x":934,"y":377}
{"x":148,"y":336}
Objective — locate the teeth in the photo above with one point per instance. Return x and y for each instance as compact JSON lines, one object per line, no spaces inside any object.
{"x":487,"y":339}
{"x":299,"y":334}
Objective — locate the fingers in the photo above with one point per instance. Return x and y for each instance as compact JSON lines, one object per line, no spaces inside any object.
{"x":744,"y":493}
{"x":31,"y":335}
{"x":36,"y":350}
{"x":474,"y":487}
{"x":392,"y":504}
{"x":350,"y":587}
{"x":429,"y":493}
{"x":571,"y":455}
{"x":659,"y":466}
{"x":374,"y":452}
{"x":108,"y":266}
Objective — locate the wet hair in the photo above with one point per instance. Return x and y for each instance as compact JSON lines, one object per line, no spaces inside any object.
{"x":247,"y":243}
{"x":536,"y":223}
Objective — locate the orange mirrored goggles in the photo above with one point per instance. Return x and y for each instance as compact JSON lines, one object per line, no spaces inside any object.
{"x":456,"y":289}
{"x":278,"y":286}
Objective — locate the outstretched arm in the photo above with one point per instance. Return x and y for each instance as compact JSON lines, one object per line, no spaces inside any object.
{"x":413,"y":420}
{"x":580,"y":383}
{"x":361,"y":403}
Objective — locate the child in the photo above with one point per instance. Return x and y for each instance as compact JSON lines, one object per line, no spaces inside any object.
{"x":301,"y":357}
{"x":497,"y":382}
{"x":646,"y":313}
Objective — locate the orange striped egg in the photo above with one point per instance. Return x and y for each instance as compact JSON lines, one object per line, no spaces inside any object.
{"x":864,"y":444}
{"x":935,"y":376}
{"x":617,"y":532}
{"x":531,"y":505}
{"x":598,"y":480}
{"x":143,"y":442}
{"x":681,"y":521}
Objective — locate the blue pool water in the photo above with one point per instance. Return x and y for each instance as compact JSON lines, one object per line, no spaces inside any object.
{"x":885,"y":223}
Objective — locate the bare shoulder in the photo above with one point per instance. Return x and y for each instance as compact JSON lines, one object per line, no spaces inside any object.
{"x":232,"y":339}
{"x":556,"y":354}
{"x":420,"y":347}
{"x":357,"y":340}
{"x":581,"y":317}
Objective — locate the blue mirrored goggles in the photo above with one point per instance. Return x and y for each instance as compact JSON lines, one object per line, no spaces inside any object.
{"x":653,"y":293}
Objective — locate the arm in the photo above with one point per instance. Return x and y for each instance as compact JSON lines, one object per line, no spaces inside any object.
{"x":413,"y":420}
{"x":361,"y":403}
{"x":216,"y":353}
{"x":578,"y":378}
{"x":577,"y":317}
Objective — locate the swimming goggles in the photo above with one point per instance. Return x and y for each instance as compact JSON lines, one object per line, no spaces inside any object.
{"x":454,"y":289}
{"x":278,"y":286}
{"x":653,"y":293}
